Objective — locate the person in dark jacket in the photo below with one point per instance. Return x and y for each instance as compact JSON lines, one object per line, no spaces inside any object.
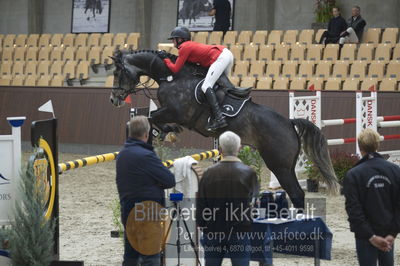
{"x":141,"y":176}
{"x":336,"y":26}
{"x":372,"y":193}
{"x":226,"y":190}
{"x":222,"y":12}
{"x":356,"y":25}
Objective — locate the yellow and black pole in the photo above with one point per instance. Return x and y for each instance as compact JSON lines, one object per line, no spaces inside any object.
{"x":198,"y":157}
{"x":107,"y":157}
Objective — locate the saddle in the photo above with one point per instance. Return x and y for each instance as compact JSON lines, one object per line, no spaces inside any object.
{"x":224,"y":83}
{"x":231,"y":99}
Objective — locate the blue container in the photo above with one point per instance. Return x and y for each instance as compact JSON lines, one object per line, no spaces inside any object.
{"x":175,"y":197}
{"x":282,"y":203}
{"x":266,"y":200}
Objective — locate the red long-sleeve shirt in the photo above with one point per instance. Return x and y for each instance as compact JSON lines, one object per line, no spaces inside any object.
{"x":195,"y":52}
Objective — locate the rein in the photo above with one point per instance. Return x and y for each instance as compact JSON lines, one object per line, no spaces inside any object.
{"x":145,"y":87}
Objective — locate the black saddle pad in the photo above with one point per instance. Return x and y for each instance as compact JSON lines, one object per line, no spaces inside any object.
{"x":231,"y":105}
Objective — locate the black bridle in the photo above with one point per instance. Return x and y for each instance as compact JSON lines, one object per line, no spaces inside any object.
{"x":144,"y":85}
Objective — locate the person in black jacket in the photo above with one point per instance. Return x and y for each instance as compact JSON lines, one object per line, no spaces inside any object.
{"x":141,"y":176}
{"x":222,"y":12}
{"x":336,"y":26}
{"x":356,"y":25}
{"x":226,"y":190}
{"x":372,"y":193}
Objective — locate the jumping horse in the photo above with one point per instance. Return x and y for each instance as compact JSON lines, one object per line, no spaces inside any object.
{"x":277,"y":138}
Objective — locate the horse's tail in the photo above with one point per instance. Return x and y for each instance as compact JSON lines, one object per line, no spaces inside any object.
{"x":316,"y":148}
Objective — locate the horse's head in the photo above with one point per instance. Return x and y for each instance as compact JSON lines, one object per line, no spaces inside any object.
{"x":126,"y":77}
{"x":130,"y":66}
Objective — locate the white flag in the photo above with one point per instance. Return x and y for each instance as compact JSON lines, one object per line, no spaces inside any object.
{"x":152,"y":107}
{"x":47,"y":107}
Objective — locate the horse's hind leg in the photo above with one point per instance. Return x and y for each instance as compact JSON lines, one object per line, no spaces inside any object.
{"x":288,"y":180}
{"x":282,"y":164}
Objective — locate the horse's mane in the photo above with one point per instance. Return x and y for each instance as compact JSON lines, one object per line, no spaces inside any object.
{"x":126,"y":52}
{"x":173,"y":58}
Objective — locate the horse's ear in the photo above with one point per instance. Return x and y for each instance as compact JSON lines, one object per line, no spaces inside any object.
{"x":117,"y":53}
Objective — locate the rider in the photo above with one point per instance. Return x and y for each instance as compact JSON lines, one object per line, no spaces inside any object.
{"x":215,"y":57}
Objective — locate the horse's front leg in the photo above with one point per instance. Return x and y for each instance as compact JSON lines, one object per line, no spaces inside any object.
{"x":161,"y":117}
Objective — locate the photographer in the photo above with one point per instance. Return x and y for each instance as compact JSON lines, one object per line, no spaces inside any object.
{"x":141,"y":176}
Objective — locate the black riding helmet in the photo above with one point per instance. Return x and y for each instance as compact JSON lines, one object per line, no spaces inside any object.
{"x":180,"y":32}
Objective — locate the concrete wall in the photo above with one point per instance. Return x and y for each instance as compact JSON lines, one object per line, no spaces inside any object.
{"x":254,"y":15}
{"x":162,"y":24}
{"x":122,"y":16}
{"x":293,"y":14}
{"x":155,"y":18}
{"x":14,"y":16}
{"x":57,"y":16}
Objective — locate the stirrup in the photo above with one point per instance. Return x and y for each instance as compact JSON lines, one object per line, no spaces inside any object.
{"x":214,"y":125}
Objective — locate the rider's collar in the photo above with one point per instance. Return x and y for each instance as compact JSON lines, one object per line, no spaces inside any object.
{"x":179,"y":46}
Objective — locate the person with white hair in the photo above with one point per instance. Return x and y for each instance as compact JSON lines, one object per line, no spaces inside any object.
{"x":226,"y":191}
{"x":371,"y":189}
{"x":354,"y":32}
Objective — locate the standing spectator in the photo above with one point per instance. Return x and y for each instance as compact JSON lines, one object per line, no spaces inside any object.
{"x":222,"y":12}
{"x":141,"y":176}
{"x":355,"y":29}
{"x":226,"y":189}
{"x":336,"y":26}
{"x":371,"y":189}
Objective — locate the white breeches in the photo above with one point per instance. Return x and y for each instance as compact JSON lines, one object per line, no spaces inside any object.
{"x":223,"y":64}
{"x":351,"y":38}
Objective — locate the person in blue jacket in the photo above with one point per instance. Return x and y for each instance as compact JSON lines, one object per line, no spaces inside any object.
{"x":141,"y":176}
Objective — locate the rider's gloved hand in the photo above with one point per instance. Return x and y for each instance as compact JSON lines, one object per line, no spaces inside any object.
{"x":162,"y":54}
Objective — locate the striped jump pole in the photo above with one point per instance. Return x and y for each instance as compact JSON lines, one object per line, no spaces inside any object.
{"x":198,"y":157}
{"x":309,"y":107}
{"x":383,"y":121}
{"x":107,"y":157}
{"x":352,"y":140}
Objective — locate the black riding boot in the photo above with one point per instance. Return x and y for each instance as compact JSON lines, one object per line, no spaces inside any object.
{"x":219,"y":119}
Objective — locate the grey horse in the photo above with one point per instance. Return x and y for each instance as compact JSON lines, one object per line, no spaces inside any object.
{"x":277,"y":138}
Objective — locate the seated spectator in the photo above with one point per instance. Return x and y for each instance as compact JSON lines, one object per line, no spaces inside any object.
{"x":226,"y":190}
{"x":355,"y":29}
{"x":336,"y":26}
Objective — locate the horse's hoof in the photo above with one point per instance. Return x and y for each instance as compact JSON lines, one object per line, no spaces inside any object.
{"x":171,"y":137}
